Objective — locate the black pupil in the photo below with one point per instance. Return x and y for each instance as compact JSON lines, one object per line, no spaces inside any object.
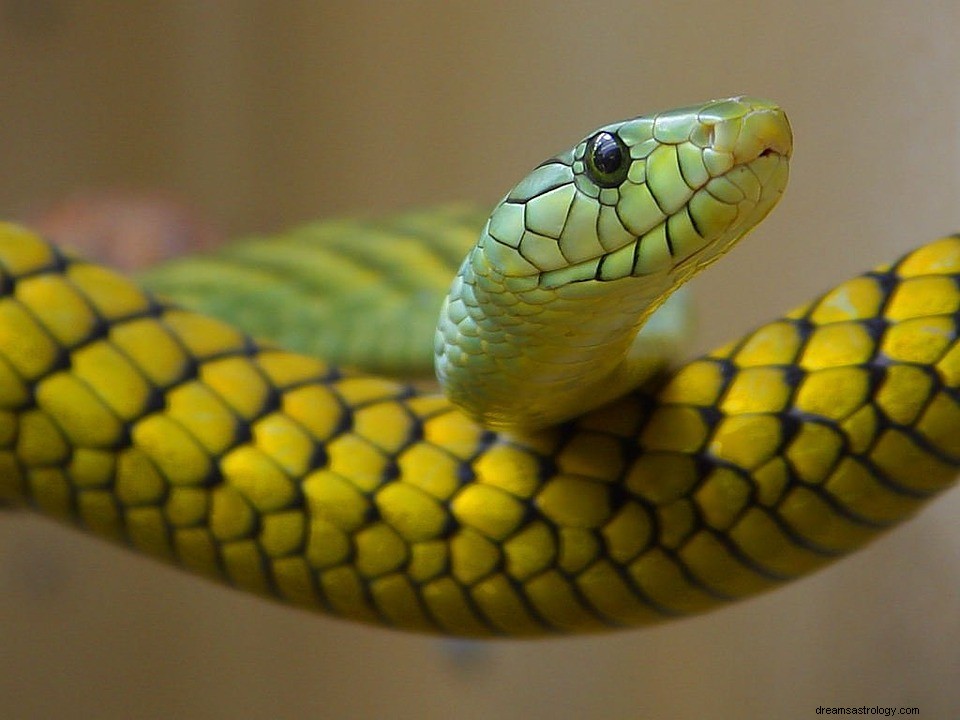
{"x":607,"y":154}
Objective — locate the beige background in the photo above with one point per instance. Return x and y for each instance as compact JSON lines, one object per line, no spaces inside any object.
{"x":268,"y":113}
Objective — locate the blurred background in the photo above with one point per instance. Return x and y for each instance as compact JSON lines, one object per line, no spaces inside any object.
{"x":261,"y":115}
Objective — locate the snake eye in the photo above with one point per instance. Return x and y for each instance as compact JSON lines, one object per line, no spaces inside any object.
{"x":607,"y":160}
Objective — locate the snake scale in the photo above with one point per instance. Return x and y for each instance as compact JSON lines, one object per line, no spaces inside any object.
{"x":330,"y":489}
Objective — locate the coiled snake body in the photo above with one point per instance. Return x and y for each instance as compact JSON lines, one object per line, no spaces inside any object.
{"x":359,"y":496}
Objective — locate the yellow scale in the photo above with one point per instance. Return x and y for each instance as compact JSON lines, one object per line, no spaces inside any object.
{"x":374,"y":521}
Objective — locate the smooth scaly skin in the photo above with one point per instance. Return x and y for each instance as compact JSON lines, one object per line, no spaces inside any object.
{"x":768,"y":458}
{"x":541,"y":321}
{"x":362,"y":292}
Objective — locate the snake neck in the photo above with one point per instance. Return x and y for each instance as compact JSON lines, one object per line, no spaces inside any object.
{"x":555,"y":354}
{"x":542,"y":322}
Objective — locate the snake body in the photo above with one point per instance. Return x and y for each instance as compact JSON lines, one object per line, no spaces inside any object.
{"x":334,"y":490}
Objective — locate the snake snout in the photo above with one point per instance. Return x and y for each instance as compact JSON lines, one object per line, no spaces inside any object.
{"x":760,"y":130}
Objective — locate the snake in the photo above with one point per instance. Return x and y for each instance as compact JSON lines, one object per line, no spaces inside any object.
{"x":571,"y":479}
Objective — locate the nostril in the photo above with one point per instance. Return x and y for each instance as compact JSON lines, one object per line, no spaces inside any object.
{"x":768,"y":152}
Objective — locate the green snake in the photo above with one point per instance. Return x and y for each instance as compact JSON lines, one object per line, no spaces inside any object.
{"x":668,"y":493}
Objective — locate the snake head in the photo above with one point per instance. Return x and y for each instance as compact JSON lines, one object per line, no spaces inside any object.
{"x":656,"y":194}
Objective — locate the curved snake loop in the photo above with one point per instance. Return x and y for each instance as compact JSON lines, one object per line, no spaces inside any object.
{"x":331,"y":490}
